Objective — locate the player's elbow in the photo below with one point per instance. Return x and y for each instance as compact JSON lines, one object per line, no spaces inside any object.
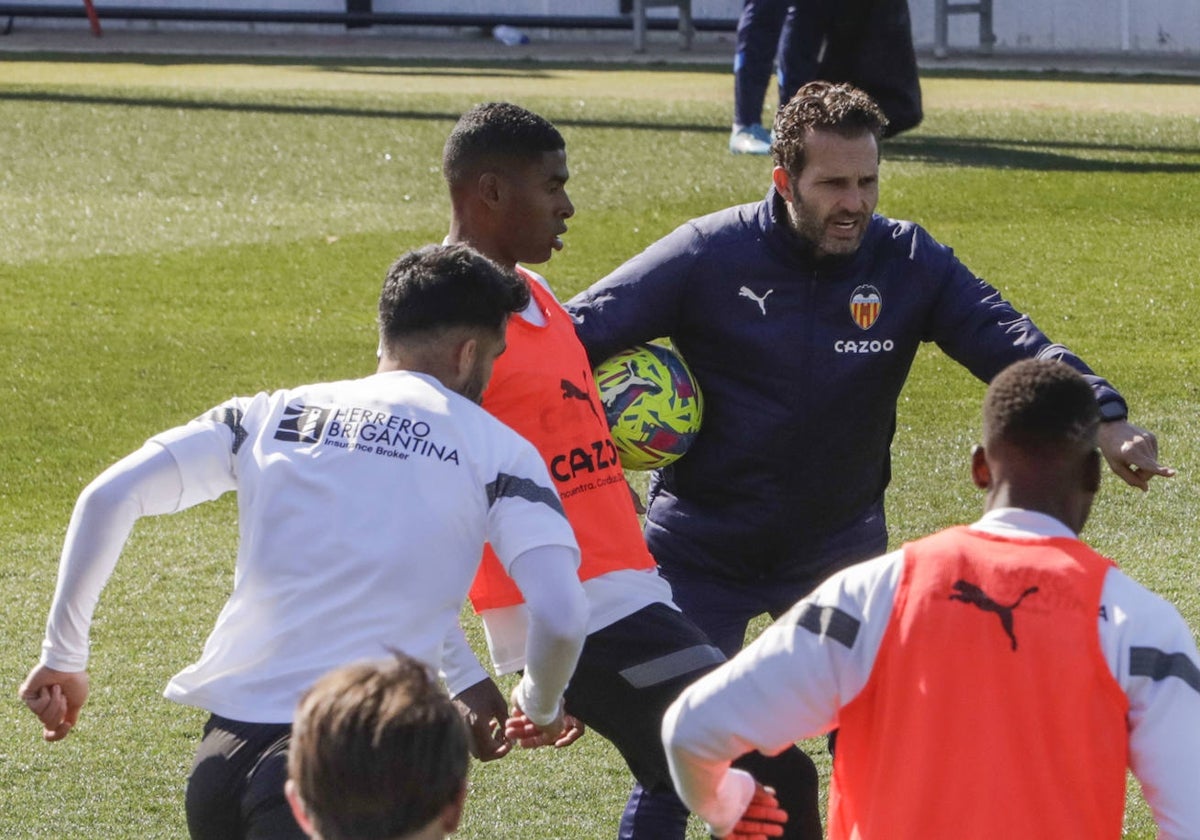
{"x":106,"y":499}
{"x":567,"y":622}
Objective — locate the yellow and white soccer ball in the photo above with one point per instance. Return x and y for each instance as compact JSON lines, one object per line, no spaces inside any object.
{"x":652,"y":403}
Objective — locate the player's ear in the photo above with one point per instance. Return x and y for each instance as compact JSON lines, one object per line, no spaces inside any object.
{"x":783,"y":183}
{"x":465,"y":354}
{"x":490,"y":188}
{"x":297,"y":806}
{"x":1092,"y":471}
{"x":981,"y":473}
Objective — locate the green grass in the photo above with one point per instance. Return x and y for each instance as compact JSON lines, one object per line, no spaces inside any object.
{"x":175,"y":232}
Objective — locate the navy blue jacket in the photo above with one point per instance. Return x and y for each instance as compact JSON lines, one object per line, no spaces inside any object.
{"x":800,"y":363}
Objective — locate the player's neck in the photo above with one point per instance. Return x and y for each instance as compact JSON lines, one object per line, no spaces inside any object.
{"x":463,"y":233}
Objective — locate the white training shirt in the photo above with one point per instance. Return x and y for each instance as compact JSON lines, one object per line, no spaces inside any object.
{"x":363,"y":509}
{"x":791,"y":682}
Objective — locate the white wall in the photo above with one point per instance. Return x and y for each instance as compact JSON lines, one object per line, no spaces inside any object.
{"x":1150,"y":26}
{"x":1086,"y":25}
{"x":1154,"y":26}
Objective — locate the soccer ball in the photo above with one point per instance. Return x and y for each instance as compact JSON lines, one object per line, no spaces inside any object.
{"x":652,"y":404}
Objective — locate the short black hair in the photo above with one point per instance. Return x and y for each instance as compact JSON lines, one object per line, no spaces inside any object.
{"x":444,"y":286}
{"x":823,"y":106}
{"x":493,"y":133}
{"x":1040,"y":405}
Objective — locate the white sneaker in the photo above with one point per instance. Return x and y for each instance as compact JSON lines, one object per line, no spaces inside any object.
{"x":750,"y":140}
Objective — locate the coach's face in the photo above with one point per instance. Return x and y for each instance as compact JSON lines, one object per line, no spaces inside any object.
{"x":535,"y":204}
{"x":830,"y":201}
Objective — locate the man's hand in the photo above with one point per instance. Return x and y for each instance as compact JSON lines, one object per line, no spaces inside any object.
{"x":55,"y":697}
{"x":638,"y":507}
{"x":521,"y":730}
{"x":573,"y":730}
{"x":484,"y":711}
{"x":561,"y":732}
{"x":763,"y":817}
{"x":1132,"y":453}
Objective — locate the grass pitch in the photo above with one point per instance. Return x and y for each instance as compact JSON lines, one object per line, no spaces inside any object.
{"x":175,"y":232}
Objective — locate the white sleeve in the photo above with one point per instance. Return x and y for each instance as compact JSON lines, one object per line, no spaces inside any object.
{"x":524,"y":510}
{"x":1154,"y":658}
{"x":144,"y":483}
{"x":788,"y":684}
{"x":172,"y":471}
{"x":558,"y":615}
{"x":460,"y":665}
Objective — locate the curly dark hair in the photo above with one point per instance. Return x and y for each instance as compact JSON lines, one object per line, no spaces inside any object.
{"x":1041,"y":405}
{"x":824,"y":106}
{"x":439,"y":287}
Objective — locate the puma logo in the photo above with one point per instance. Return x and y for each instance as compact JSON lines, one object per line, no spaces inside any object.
{"x":571,"y":391}
{"x":969,"y":593}
{"x":633,"y":379}
{"x":746,"y":292}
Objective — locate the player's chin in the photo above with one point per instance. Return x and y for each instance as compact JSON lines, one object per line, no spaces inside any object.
{"x":536,"y":256}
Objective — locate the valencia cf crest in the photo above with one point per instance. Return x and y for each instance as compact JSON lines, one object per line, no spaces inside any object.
{"x":865,"y":305}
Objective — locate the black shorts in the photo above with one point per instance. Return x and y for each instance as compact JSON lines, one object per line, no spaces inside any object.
{"x":235,"y":789}
{"x":629,"y":673}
